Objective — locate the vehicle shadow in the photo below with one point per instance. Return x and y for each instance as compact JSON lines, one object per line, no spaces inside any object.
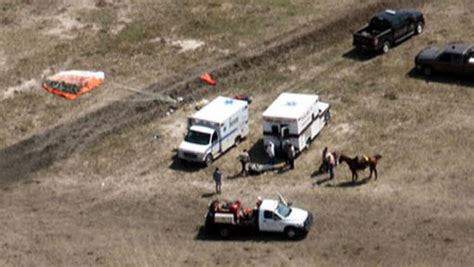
{"x":178,"y":165}
{"x":258,"y":155}
{"x":243,"y":236}
{"x":357,"y":55}
{"x":442,"y":78}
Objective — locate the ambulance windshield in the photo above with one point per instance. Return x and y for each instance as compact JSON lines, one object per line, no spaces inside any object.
{"x":197,"y":138}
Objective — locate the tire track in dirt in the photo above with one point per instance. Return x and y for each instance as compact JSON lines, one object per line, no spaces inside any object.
{"x":41,"y":150}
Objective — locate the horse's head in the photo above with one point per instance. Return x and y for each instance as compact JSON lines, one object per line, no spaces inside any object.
{"x":342,"y":157}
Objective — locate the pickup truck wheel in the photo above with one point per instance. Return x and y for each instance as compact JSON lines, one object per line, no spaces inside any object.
{"x":386,"y":47}
{"x":224,"y":232}
{"x":427,"y":71}
{"x":290,"y":233}
{"x":419,"y":28}
{"x":209,"y":160}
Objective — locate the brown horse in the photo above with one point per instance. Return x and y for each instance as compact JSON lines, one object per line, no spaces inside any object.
{"x":361,"y":163}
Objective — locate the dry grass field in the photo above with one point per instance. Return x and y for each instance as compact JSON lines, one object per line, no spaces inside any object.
{"x":85,"y":182}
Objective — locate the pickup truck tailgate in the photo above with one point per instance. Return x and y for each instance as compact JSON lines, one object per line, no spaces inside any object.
{"x":363,"y":39}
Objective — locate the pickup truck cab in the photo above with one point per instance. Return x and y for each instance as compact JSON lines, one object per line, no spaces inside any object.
{"x":388,"y":28}
{"x":455,"y":58}
{"x":227,"y":217}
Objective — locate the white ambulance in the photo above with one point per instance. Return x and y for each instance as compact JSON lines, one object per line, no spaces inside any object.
{"x":294,"y":118}
{"x":215,"y":128}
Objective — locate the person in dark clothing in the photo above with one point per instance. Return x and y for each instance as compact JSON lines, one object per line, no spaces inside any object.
{"x":291,"y":153}
{"x":217,"y":175}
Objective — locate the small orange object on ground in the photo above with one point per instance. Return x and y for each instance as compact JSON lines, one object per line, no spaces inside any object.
{"x":206,"y":77}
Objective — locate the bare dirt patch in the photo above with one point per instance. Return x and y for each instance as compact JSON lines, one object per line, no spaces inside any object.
{"x":22,"y":88}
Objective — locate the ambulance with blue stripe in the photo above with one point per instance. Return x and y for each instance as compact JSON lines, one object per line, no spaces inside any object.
{"x":218,"y":126}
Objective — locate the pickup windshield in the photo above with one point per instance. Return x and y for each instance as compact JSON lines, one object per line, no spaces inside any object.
{"x":283,"y":210}
{"x":197,"y":138}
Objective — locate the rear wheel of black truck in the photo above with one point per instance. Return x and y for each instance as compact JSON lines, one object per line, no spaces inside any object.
{"x":385,"y":47}
{"x":419,"y":28}
{"x":427,"y":70}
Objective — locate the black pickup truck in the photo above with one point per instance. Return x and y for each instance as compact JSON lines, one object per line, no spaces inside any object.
{"x":455,"y":58}
{"x":388,"y":28}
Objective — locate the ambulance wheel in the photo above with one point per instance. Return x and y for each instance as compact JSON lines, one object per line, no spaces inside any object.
{"x":209,"y":160}
{"x":238,"y":139}
{"x":308,"y":143}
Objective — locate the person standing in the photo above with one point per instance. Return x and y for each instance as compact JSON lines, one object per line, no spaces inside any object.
{"x":291,"y":156}
{"x":271,"y":152}
{"x":244,"y":159}
{"x":330,"y":163}
{"x":324,"y":166}
{"x":217,"y":175}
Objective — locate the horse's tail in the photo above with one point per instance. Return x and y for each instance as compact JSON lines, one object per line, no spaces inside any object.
{"x":378,"y":156}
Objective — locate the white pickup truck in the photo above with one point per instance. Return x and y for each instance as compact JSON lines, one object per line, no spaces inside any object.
{"x":227,"y":217}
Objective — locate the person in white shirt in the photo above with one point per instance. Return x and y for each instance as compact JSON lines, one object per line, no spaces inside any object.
{"x":271,"y":152}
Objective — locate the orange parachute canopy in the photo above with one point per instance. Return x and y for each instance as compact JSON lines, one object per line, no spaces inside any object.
{"x":73,"y":83}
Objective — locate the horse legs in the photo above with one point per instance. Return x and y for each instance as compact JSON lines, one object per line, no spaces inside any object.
{"x":371,"y":170}
{"x":354,"y":175}
{"x":375,"y":170}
